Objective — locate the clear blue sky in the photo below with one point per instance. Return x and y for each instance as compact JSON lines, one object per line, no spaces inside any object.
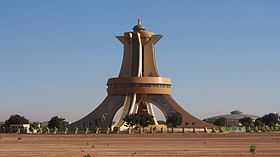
{"x":56,"y":56}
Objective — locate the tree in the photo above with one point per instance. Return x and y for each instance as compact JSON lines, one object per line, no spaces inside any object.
{"x":220,"y":121}
{"x":247,"y":122}
{"x":16,"y":119}
{"x":130,"y":120}
{"x":270,"y":119}
{"x":174,"y":119}
{"x":34,"y":126}
{"x":57,"y":122}
{"x":259,"y":123}
{"x":141,"y":119}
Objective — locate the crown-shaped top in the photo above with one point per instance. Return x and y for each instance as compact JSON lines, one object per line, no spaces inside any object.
{"x":138,"y":27}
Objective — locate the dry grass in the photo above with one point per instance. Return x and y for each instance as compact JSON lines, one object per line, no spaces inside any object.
{"x":206,"y":145}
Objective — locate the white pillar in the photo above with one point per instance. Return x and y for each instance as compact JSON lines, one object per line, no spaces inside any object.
{"x":151,"y":111}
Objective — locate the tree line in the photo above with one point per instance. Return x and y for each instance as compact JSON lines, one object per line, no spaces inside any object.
{"x":131,"y":120}
{"x":268,"y":121}
{"x":18,"y":120}
{"x":271,"y":121}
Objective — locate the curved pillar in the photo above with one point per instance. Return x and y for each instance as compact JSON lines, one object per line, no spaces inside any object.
{"x":103,"y":115}
{"x":169,"y":107}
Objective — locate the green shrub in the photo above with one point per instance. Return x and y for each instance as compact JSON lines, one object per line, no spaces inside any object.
{"x":253,"y":148}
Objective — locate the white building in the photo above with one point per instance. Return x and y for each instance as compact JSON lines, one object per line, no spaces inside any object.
{"x":25,"y":127}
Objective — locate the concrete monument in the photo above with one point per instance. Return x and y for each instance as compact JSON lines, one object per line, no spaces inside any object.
{"x":138,"y":87}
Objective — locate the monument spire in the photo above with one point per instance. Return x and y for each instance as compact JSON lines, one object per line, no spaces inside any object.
{"x":139,"y":87}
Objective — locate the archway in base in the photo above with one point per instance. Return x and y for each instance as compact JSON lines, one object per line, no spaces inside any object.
{"x":158,"y":115}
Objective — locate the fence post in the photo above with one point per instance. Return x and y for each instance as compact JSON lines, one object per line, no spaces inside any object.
{"x":118,"y":130}
{"x":48,"y":130}
{"x":55,"y":131}
{"x":141,"y":130}
{"x":108,"y":131}
{"x":205,"y":130}
{"x":193,"y":130}
{"x":18,"y":130}
{"x":66,"y":131}
{"x":76,"y":131}
{"x":86,"y":132}
{"x":97,"y":131}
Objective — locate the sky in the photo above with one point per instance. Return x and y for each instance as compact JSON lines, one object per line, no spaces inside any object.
{"x":56,"y":56}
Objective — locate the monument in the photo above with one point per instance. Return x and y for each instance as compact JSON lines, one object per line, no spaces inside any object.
{"x":138,"y":87}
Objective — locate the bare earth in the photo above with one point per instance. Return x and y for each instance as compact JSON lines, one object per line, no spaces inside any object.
{"x":191,"y":145}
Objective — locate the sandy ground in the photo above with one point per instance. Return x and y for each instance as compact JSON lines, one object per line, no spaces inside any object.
{"x":191,"y":145}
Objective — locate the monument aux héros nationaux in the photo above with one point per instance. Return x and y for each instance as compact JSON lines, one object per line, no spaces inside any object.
{"x":138,"y":87}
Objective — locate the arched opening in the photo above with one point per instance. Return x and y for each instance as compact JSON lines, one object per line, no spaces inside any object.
{"x":157,"y":113}
{"x":159,"y":116}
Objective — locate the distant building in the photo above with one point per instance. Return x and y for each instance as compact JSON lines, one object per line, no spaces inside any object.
{"x":232,"y":119}
{"x":24,"y":127}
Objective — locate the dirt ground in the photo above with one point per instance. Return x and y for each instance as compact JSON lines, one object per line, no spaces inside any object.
{"x":188,"y":144}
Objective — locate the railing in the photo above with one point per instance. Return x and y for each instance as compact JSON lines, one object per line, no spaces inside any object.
{"x":146,"y":130}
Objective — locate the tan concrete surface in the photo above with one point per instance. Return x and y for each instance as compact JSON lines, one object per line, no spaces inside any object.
{"x":190,"y":145}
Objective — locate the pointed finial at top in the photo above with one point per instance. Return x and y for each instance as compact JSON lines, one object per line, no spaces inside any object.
{"x":138,"y":21}
{"x":138,"y":27}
